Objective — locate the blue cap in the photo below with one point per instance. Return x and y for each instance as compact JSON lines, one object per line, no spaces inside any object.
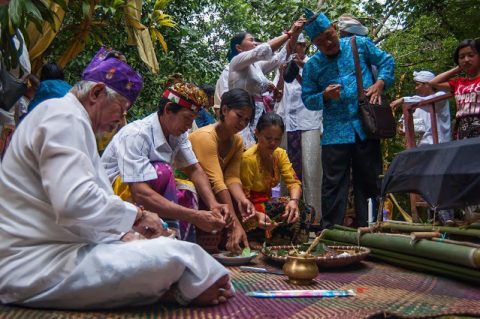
{"x":316,"y":23}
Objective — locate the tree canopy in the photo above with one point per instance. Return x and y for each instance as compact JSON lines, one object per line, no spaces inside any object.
{"x":420,"y":34}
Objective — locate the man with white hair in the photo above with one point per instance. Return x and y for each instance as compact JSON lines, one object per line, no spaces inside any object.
{"x":421,"y":117}
{"x":304,"y":129}
{"x":65,"y":238}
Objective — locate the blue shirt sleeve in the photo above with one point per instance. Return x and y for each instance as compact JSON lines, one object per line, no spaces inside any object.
{"x":204,"y":118}
{"x":312,"y":93}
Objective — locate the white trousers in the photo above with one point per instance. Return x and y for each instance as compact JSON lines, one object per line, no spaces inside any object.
{"x":133,"y":273}
{"x":312,"y":170}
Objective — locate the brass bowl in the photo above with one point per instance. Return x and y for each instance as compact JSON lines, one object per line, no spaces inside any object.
{"x":357,"y":254}
{"x":301,"y":270}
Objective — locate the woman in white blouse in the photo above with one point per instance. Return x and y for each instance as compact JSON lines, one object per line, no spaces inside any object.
{"x":250,"y":62}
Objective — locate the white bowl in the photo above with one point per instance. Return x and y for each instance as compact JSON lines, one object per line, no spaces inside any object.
{"x":226,"y":260}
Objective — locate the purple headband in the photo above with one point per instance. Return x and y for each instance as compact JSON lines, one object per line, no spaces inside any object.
{"x":115,"y":73}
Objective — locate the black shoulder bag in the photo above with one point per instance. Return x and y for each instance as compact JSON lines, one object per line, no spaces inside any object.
{"x":377,"y":119}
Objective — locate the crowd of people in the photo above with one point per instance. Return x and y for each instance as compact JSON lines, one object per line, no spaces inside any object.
{"x":133,"y":225}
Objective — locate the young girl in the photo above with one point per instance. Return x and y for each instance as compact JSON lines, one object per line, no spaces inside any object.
{"x":466,"y":89}
{"x":219,"y":150}
{"x":262,"y":166}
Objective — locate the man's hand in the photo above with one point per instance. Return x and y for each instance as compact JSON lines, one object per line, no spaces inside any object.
{"x":236,"y":237}
{"x":225,"y":212}
{"x":395,"y":104}
{"x":332,"y":92}
{"x":375,"y":92}
{"x":209,"y":221}
{"x":131,"y":236}
{"x":151,"y":226}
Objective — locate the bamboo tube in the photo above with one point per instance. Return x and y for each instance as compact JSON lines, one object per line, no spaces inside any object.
{"x":456,"y":254}
{"x":364,"y":230}
{"x":419,"y":263}
{"x":457,"y":242}
{"x":447,"y":268}
{"x":426,"y":268}
{"x":419,"y":228}
{"x":473,"y":226}
{"x":424,"y":235}
{"x":340,"y":227}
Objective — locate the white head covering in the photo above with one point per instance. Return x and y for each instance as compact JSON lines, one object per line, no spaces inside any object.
{"x":301,"y":38}
{"x":423,"y":76}
{"x":350,"y":24}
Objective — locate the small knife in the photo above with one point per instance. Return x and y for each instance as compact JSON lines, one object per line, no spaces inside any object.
{"x":261,"y":270}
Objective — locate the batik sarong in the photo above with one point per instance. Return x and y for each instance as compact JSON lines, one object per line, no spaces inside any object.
{"x":166,"y":185}
{"x":294,"y":151}
{"x":284,"y":234}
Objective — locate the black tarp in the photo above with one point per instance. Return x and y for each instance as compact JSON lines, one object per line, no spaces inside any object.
{"x":446,"y":175}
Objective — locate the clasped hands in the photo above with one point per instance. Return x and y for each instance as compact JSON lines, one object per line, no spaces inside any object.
{"x":374,"y":92}
{"x":148,"y":226}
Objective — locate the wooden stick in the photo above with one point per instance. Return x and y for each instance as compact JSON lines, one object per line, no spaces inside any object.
{"x":315,"y":242}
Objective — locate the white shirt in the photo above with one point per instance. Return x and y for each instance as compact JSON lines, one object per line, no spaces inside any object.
{"x":247,"y":69}
{"x":291,"y":108}
{"x":423,"y":124}
{"x":138,"y":144}
{"x":221,"y":87}
{"x":55,"y":199}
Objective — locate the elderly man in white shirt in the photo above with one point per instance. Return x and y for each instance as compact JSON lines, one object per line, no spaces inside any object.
{"x":421,"y":118}
{"x":65,"y":238}
{"x":140,"y":159}
{"x":304,"y":129}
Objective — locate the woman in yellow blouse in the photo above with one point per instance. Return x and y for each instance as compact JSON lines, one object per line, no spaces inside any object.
{"x":262,"y":166}
{"x":219,"y":150}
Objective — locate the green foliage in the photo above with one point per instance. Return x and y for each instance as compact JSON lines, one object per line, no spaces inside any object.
{"x":15,"y":17}
{"x":420,"y":34}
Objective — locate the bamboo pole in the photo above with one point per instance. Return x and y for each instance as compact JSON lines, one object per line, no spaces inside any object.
{"x":419,"y":263}
{"x":426,"y":268}
{"x":449,"y":253}
{"x":340,"y":227}
{"x":470,"y":232}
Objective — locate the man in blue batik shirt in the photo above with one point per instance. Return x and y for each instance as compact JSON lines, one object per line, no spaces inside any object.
{"x":329,"y":84}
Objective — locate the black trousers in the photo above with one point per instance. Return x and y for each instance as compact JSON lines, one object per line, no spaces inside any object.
{"x":365,"y":159}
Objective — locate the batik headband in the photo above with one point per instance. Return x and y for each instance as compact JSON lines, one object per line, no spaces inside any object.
{"x":186,"y":95}
{"x":115,"y":74}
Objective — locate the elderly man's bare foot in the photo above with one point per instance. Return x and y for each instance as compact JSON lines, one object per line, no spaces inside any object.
{"x":216,"y":294}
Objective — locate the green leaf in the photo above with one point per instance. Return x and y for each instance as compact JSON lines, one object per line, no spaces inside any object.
{"x":33,"y":11}
{"x":246,"y":252}
{"x":15,"y":11}
{"x":85,"y":9}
